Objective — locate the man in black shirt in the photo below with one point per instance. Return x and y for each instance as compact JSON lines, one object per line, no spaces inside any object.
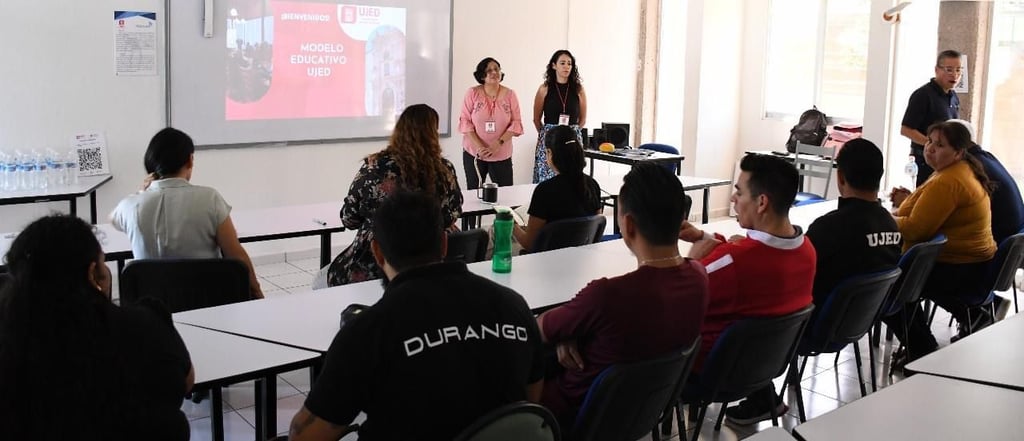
{"x":440,"y":349}
{"x":929,"y":104}
{"x":859,"y":237}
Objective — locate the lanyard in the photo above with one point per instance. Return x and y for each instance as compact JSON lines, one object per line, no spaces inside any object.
{"x":562,"y":98}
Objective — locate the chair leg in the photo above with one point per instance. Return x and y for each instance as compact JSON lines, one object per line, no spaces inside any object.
{"x":680,"y":421}
{"x":835,"y":363}
{"x":889,"y":334}
{"x":871,"y":359}
{"x":721,"y":416}
{"x":875,"y":339}
{"x":666,"y":422}
{"x":800,"y":394}
{"x":1016,"y":309}
{"x":700,"y":420}
{"x":860,"y":365}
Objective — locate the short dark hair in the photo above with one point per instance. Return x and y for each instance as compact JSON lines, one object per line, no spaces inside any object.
{"x":774,"y":177}
{"x":948,"y":53}
{"x":654,"y":197}
{"x":861,"y":163}
{"x":480,"y":74}
{"x":408,"y":228}
{"x":168,"y":152}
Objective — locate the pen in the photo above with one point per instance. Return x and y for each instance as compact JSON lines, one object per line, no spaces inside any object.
{"x":319,"y":222}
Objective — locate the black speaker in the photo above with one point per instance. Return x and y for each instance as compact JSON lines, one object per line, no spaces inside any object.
{"x":597,"y":139}
{"x":617,"y":133}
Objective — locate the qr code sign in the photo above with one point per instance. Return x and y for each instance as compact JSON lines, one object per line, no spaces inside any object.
{"x":90,"y":160}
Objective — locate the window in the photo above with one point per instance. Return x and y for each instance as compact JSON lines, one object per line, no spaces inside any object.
{"x":817,"y":55}
{"x":1001,"y":132}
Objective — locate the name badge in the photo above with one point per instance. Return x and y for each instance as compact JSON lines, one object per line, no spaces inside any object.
{"x":490,"y":127}
{"x":563,"y":120}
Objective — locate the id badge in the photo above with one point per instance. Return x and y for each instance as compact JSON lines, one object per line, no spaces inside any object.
{"x":490,"y":127}
{"x":563,"y":119}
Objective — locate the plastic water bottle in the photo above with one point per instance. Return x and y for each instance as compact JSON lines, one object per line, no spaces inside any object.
{"x":42,"y":171}
{"x":71,"y":167}
{"x":10,"y":173}
{"x":3,"y":171}
{"x":911,"y":171}
{"x":56,"y":165}
{"x":501,"y":262}
{"x":24,"y":171}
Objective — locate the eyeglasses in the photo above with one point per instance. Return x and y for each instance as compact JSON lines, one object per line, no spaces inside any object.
{"x":950,"y":69}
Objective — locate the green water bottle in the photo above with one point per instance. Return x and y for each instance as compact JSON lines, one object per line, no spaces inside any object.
{"x":501,"y":262}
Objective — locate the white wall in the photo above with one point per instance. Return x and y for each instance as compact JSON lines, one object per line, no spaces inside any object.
{"x":59,"y":80}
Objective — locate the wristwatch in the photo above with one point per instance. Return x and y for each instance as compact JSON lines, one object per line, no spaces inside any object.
{"x":501,"y":141}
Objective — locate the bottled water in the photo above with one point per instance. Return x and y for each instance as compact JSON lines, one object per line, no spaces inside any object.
{"x":24,"y":171}
{"x":911,"y":171}
{"x":42,"y":171}
{"x":56,"y":165}
{"x":71,"y":167}
{"x":3,"y":171}
{"x":11,"y":173}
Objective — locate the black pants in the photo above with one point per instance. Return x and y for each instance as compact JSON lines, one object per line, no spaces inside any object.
{"x":923,"y":169}
{"x":500,"y":171}
{"x":951,"y":286}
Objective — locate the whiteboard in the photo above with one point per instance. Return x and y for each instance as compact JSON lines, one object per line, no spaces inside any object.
{"x":309,"y":70}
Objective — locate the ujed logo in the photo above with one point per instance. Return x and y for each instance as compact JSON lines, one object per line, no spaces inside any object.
{"x":348,"y":14}
{"x":120,"y":24}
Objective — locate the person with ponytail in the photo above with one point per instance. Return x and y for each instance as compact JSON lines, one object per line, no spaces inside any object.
{"x":570,"y":193}
{"x":72,"y":364}
{"x":169,"y":218}
{"x":411,"y":161}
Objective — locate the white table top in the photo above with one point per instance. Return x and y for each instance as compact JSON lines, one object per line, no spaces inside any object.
{"x":85,"y":185}
{"x":511,"y":196}
{"x":611,"y":183}
{"x":923,"y":407}
{"x":310,"y":320}
{"x":219,"y":356}
{"x":990,"y":356}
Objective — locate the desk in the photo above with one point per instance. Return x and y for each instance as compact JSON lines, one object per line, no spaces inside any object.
{"x":86,"y":186}
{"x":631,"y":160}
{"x":990,"y":356}
{"x":473,"y":208}
{"x":309,"y":320}
{"x":221,"y":359}
{"x":923,"y":407}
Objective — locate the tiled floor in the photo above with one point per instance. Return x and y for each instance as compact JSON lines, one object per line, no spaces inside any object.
{"x":826,"y":385}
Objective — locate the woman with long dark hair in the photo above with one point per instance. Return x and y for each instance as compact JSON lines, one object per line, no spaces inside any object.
{"x":72,"y":364}
{"x":560,"y":101}
{"x":413,"y":161}
{"x":953,"y":201}
{"x":570,"y":193}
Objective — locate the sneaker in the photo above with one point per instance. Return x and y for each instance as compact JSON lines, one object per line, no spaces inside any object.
{"x":1002,"y":307}
{"x":747,"y":413}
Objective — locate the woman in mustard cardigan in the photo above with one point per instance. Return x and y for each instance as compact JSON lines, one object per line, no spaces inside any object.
{"x":954,"y":201}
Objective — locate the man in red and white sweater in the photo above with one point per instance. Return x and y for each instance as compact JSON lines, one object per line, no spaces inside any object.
{"x":767,"y":273}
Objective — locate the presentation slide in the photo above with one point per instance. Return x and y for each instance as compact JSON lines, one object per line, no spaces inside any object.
{"x":306,"y":70}
{"x":315,"y":60}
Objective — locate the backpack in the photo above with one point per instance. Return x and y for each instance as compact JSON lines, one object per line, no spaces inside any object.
{"x":841,"y":133}
{"x":809,"y":130}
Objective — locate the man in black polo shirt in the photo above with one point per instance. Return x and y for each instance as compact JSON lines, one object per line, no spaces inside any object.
{"x":934,"y":102}
{"x":440,"y":349}
{"x":859,"y":237}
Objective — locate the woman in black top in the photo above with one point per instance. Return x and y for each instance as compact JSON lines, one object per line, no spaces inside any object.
{"x":560,"y":101}
{"x":72,"y":364}
{"x":570,"y":193}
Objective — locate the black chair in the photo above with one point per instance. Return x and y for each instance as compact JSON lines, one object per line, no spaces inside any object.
{"x":569,"y":233}
{"x":998,"y":277}
{"x":185,"y":284}
{"x":513,"y":422}
{"x":916,"y":264}
{"x":467,"y":246}
{"x":4,"y":278}
{"x":747,"y":356}
{"x":847,"y":315}
{"x":663,"y":148}
{"x":626,"y":401}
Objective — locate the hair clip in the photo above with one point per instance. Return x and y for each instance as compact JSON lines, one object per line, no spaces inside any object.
{"x":570,"y":141}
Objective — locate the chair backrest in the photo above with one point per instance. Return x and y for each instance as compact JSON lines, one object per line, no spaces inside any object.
{"x":569,"y":233}
{"x":663,"y":148}
{"x":917,"y":264}
{"x":467,"y":246}
{"x":512,"y":422}
{"x":815,"y":161}
{"x":4,"y":278}
{"x":1009,"y":256}
{"x":185,"y":284}
{"x":749,"y":354}
{"x":626,"y":400}
{"x":849,"y":311}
